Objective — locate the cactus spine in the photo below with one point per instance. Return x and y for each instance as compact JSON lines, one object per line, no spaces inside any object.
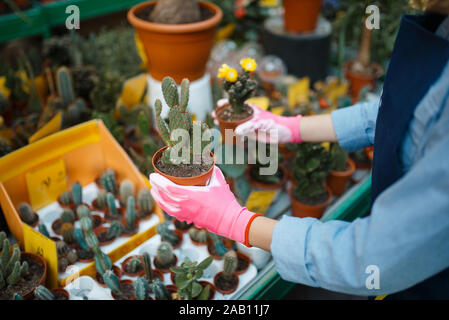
{"x":42,"y":293}
{"x":26,"y":213}
{"x":112,"y":281}
{"x":77,"y":193}
{"x":126,"y":190}
{"x":229,"y":264}
{"x":141,"y":288}
{"x":164,"y":255}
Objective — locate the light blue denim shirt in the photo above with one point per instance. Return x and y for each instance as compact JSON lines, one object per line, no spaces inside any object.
{"x":406,"y":236}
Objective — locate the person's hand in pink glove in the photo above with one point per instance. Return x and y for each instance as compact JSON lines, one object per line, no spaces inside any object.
{"x":213,"y":207}
{"x":263,"y":121}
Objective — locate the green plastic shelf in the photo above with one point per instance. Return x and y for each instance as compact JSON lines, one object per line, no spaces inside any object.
{"x":268,"y":285}
{"x":40,"y":19}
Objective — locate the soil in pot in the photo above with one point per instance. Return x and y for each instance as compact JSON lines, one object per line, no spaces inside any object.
{"x":172,"y":14}
{"x":127,"y":291}
{"x":84,"y":255}
{"x":243,"y":263}
{"x":27,"y":284}
{"x":226,"y":286}
{"x":120,"y":214}
{"x":184,"y":170}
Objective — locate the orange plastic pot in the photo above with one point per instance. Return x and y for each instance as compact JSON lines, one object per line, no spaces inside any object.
{"x":176,"y":50}
{"x":338,"y":180}
{"x":200,"y":180}
{"x":301,"y":15}
{"x":228,"y":125}
{"x":358,"y":81}
{"x":302,"y":210}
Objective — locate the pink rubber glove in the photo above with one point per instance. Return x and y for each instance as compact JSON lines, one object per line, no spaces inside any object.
{"x":264,"y":121}
{"x":213,"y":207}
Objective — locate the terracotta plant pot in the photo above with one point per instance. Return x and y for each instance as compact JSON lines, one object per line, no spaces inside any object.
{"x":129,"y":234}
{"x":100,"y":230}
{"x":369,"y":151}
{"x":212,"y":289}
{"x":56,"y":226}
{"x":358,"y":81}
{"x":200,"y":180}
{"x":265,"y":186}
{"x":172,"y":289}
{"x":129,"y":274}
{"x":338,"y":180}
{"x":302,"y":210}
{"x":61,"y":292}
{"x":228,"y":125}
{"x":126,"y":282}
{"x":223,"y":291}
{"x":301,"y":15}
{"x":176,"y":50}
{"x":27,"y":256}
{"x":286,"y":154}
{"x":165,"y":270}
{"x":244,"y":258}
{"x":115,"y":269}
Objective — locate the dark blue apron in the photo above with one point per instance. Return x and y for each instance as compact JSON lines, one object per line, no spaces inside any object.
{"x":418,"y":58}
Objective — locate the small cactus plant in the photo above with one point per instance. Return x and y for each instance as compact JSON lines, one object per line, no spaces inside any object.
{"x":66,"y":256}
{"x":102,"y":202}
{"x":338,"y":157}
{"x":115,"y":230}
{"x":134,"y":265}
{"x":147,"y":266}
{"x":67,"y":216}
{"x":86,"y":224}
{"x":126,"y":190}
{"x":164,"y":255}
{"x":145,"y":202}
{"x":66,"y":198}
{"x":113,"y":212}
{"x":91,"y":240}
{"x":27,"y":213}
{"x":130,"y":215}
{"x":160,"y":290}
{"x":42,"y":293}
{"x":80,"y":239}
{"x":187,"y":275}
{"x":77,"y":193}
{"x":102,"y":262}
{"x":141,"y":288}
{"x":198,"y":235}
{"x":83,"y":212}
{"x":108,"y":181}
{"x":11,"y":270}
{"x":180,"y":118}
{"x":112,"y":281}
{"x":167,"y":234}
{"x":229,"y":264}
{"x":67,"y":231}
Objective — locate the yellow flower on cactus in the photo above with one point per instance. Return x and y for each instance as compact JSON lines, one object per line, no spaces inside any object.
{"x":222,"y":71}
{"x":248,"y":64}
{"x":231,"y":75}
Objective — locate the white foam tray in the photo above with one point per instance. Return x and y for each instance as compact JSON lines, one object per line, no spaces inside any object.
{"x":50,"y":213}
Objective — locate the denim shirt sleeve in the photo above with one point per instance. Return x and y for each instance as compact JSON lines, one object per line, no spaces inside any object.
{"x":406,"y":236}
{"x":354,"y":126}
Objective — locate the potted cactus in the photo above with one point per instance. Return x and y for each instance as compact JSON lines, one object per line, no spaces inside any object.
{"x":174,"y":237}
{"x":130,"y":224}
{"x":66,"y":256}
{"x":113,"y":212}
{"x":71,"y":200}
{"x":177,"y":35}
{"x":165,"y":258}
{"x":309,"y":195}
{"x":28,"y":215}
{"x":143,"y":287}
{"x":227,"y":280}
{"x":100,"y":202}
{"x":120,"y":289}
{"x":145,"y":204}
{"x":195,"y":166}
{"x":301,"y":15}
{"x":133,"y":266}
{"x":126,"y":190}
{"x":239,"y":88}
{"x":108,"y":181}
{"x":182,"y":226}
{"x":186,"y":279}
{"x":342,"y":168}
{"x":67,"y":216}
{"x":198,"y":236}
{"x":20,"y":272}
{"x":107,"y":235}
{"x":84,"y":253}
{"x":42,"y":293}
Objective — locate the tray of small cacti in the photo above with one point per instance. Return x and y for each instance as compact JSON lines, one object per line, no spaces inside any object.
{"x":95,"y":204}
{"x":180,"y":262}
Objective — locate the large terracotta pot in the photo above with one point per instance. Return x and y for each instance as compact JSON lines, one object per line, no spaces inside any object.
{"x":302,"y":210}
{"x":179,"y":51}
{"x":358,"y":81}
{"x":338,"y":180}
{"x":200,"y":180}
{"x":301,"y":15}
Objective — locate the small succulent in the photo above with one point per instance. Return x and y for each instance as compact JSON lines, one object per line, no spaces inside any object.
{"x":198,"y":235}
{"x":67,"y":216}
{"x":130,"y":214}
{"x":109,"y":181}
{"x":86,"y":224}
{"x":11,"y":270}
{"x":141,"y":288}
{"x":66,"y":256}
{"x":42,"y":293}
{"x":145,"y":202}
{"x":229,"y":264}
{"x":160,"y":290}
{"x":147,"y":266}
{"x":126,"y":190}
{"x":83,"y":212}
{"x":338,"y":157}
{"x":113,"y":212}
{"x":187,"y":275}
{"x":80,"y":239}
{"x":134,"y":265}
{"x":164,"y":255}
{"x":102,"y":201}
{"x":66,"y":198}
{"x":102,"y":262}
{"x":77,"y":193}
{"x":67,"y":231}
{"x":27,"y":213}
{"x":115,"y":230}
{"x":166,"y":233}
{"x":112,"y":281}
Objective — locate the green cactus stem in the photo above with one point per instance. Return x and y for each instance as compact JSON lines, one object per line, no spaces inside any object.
{"x":67,"y":216}
{"x":131,"y":213}
{"x":126,"y":190}
{"x":27,"y":213}
{"x":80,"y":239}
{"x":108,"y":181}
{"x":115,"y":230}
{"x":61,"y":248}
{"x":77,"y":193}
{"x":160,"y":290}
{"x":205,"y":293}
{"x":66,"y":198}
{"x":147,"y":266}
{"x":145,"y":202}
{"x":167,"y":234}
{"x":67,"y":231}
{"x":198,"y":235}
{"x":240,"y":91}
{"x":11,"y":270}
{"x":338,"y":157}
{"x":134,"y":265}
{"x":141,"y":288}
{"x":65,"y":86}
{"x":102,"y":262}
{"x":102,"y":201}
{"x":83,"y":212}
{"x":112,"y":281}
{"x":164,"y":255}
{"x":229,"y":264}
{"x":113,"y":212}
{"x":43,"y":229}
{"x":42,"y":293}
{"x":86,"y":224}
{"x":91,"y":240}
